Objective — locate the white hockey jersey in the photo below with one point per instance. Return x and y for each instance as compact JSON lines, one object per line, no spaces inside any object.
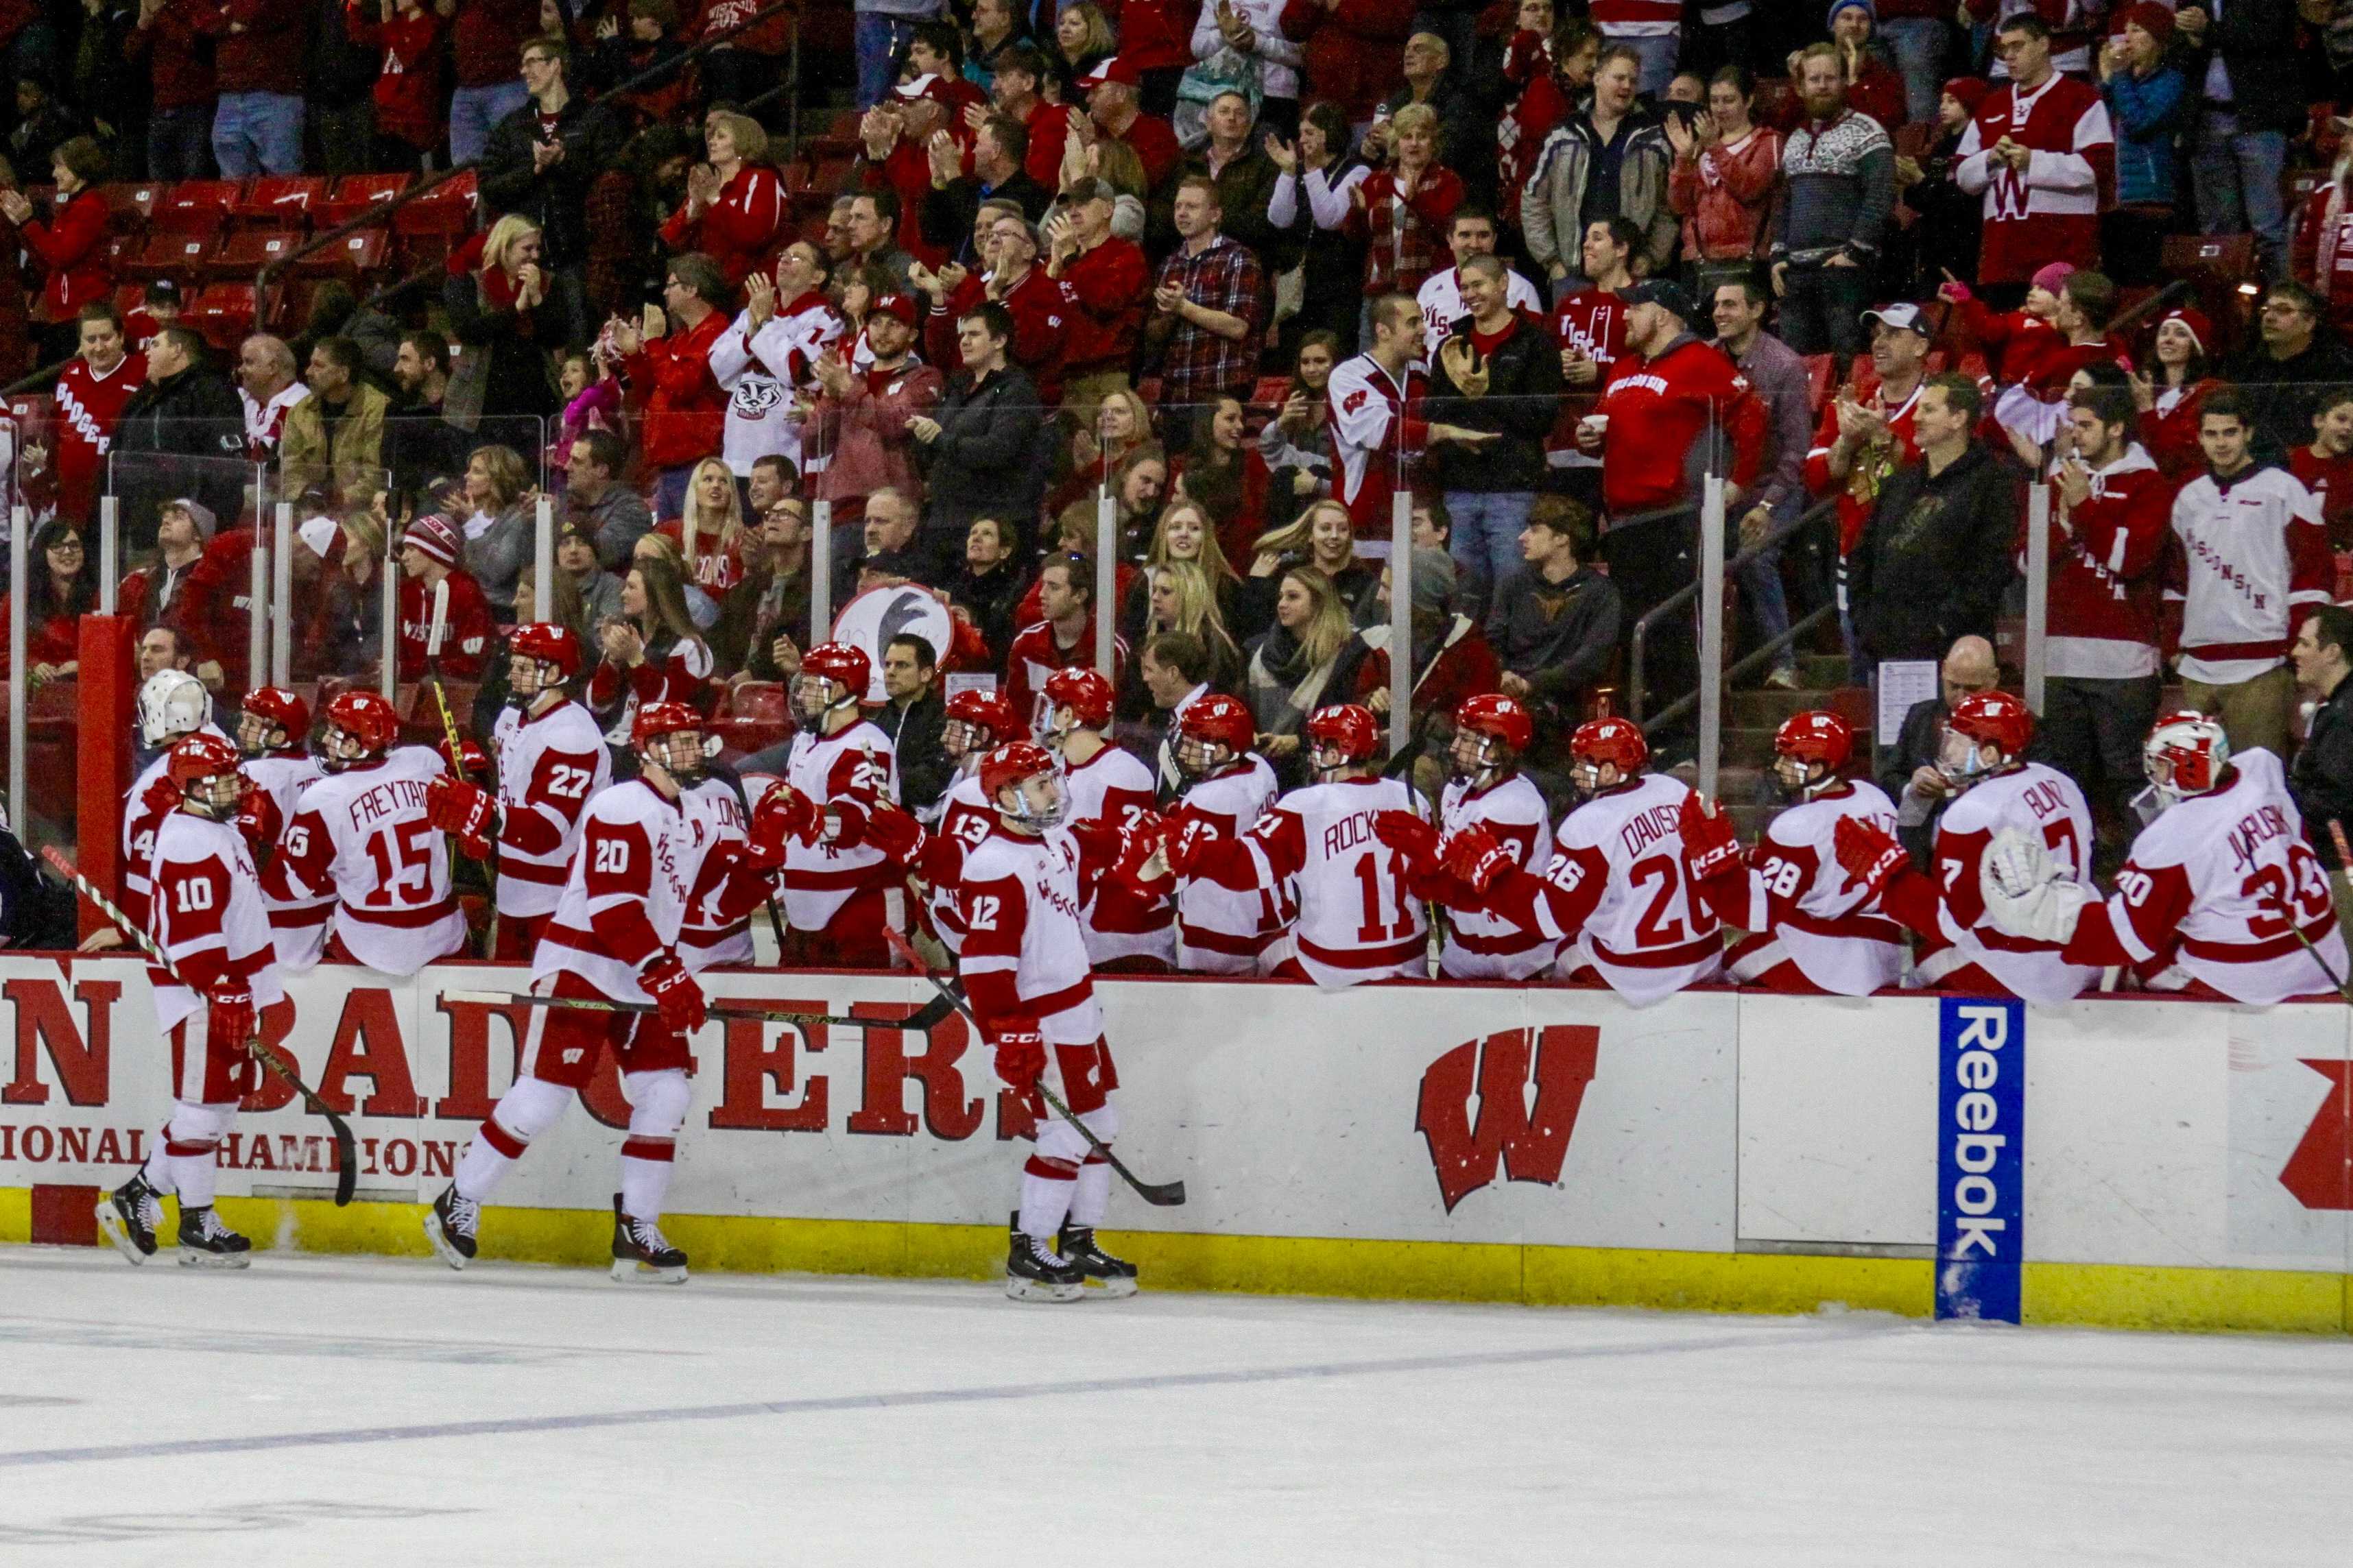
{"x":821,"y":878}
{"x":298,"y":924}
{"x":2251,"y":553}
{"x":206,"y":917}
{"x":965,"y":819}
{"x":1220,"y":929}
{"x":1022,"y":917}
{"x":1809,"y":911}
{"x":139,"y":823}
{"x":549,"y":768}
{"x":1619,"y":895}
{"x":761,"y":371}
{"x":2034,"y":799}
{"x":1114,"y":788}
{"x":1480,"y":945}
{"x":640,"y":862}
{"x":1356,"y":919}
{"x":364,"y":834}
{"x":707,"y":936}
{"x":1369,"y":415}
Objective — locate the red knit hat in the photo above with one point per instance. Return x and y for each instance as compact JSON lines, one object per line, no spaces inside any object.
{"x":2152,"y":18}
{"x":1968,"y":91}
{"x":2199,"y":327}
{"x":434,"y":537}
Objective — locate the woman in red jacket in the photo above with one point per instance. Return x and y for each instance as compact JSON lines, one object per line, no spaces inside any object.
{"x":2172,"y":396}
{"x":71,"y":245}
{"x":1402,"y":212}
{"x":1724,"y":173}
{"x":64,"y":589}
{"x":734,"y":210}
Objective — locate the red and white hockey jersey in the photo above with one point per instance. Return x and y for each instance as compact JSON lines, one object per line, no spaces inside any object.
{"x":834,"y":771}
{"x":760,"y":372}
{"x":298,"y":924}
{"x":549,"y":768}
{"x":965,"y":819}
{"x":1593,"y":322}
{"x":1114,"y":788}
{"x":1357,"y":920}
{"x":1226,"y":930}
{"x":717,"y":929}
{"x":364,"y":834}
{"x":88,"y":405}
{"x":1637,"y":18}
{"x":640,"y":862}
{"x":144,"y":811}
{"x":2213,"y":885}
{"x":208,"y":917}
{"x":1803,"y":910}
{"x":1367,"y":412}
{"x":2105,"y":573}
{"x":265,"y":422}
{"x":1025,"y":950}
{"x":1617,"y":891}
{"x":2252,"y":550}
{"x":2051,"y":212}
{"x":1480,"y":943}
{"x":2034,"y":799}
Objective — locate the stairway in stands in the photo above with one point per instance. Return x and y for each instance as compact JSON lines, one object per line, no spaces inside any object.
{"x":1744,"y":783}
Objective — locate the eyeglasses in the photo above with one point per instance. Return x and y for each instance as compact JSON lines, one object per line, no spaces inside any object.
{"x":66,"y":546}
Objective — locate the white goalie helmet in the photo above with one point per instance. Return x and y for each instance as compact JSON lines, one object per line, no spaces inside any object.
{"x":172,"y":703}
{"x":2184,"y":755}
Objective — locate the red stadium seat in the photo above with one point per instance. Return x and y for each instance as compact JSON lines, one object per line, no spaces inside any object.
{"x":280,"y":201}
{"x":354,"y":193}
{"x":224,"y":313}
{"x":195,"y":207}
{"x":355,"y":255}
{"x":129,"y":206}
{"x":1270,"y":391}
{"x":250,"y":250}
{"x":448,"y":208}
{"x":121,"y":248}
{"x":762,"y":700}
{"x":181,"y":257}
{"x":1822,"y":370}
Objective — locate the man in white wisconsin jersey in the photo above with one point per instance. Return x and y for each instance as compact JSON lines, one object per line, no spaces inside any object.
{"x":1372,"y":415}
{"x":171,"y":704}
{"x":1128,"y":932}
{"x":1811,"y":927}
{"x":1227,"y":787}
{"x":1358,"y":920}
{"x":646,"y":848}
{"x":207,"y":920}
{"x":364,"y":833}
{"x":977,"y":723}
{"x":1963,"y":951}
{"x":2216,"y":891}
{"x":1615,"y":891}
{"x":1486,"y":790}
{"x":840,"y":889}
{"x":550,"y":761}
{"x":273,"y":733}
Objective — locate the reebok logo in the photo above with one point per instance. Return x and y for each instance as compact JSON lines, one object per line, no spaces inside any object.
{"x":1505,"y":1124}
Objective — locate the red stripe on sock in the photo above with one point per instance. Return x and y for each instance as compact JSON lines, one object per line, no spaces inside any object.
{"x":649,"y":1149}
{"x":500,"y":1139}
{"x":1051,"y":1170}
{"x":1094,"y":1158}
{"x":187,"y":1150}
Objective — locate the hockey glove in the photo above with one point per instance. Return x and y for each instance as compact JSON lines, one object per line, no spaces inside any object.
{"x":1709,"y":843}
{"x":1472,"y":857}
{"x":464,"y":809}
{"x":1866,"y":853}
{"x":1410,"y":836}
{"x":784,"y":812}
{"x":228,"y":1014}
{"x":1139,"y":841}
{"x":253,"y":820}
{"x":675,"y":994}
{"x":1020,"y":1051}
{"x":1191,"y":845}
{"x":893,"y":832}
{"x":2026,"y":893}
{"x":162,"y":795}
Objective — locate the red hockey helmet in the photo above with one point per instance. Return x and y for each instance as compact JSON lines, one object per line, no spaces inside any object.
{"x":1617,"y":741}
{"x":1343,"y":735}
{"x":1212,"y":719}
{"x":204,"y":768}
{"x":1013,"y":767}
{"x":672,"y":734}
{"x":1805,"y":738}
{"x":841,"y":662}
{"x":978,"y":720}
{"x":1995,"y":718}
{"x":361,"y":727}
{"x":1490,"y":733}
{"x":2185,"y":754}
{"x":538,"y":643}
{"x":1085,"y":692}
{"x":268,"y":708}
{"x":1492,"y":713}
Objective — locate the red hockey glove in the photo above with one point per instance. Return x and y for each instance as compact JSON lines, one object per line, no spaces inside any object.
{"x":467,"y":810}
{"x":940,"y":859}
{"x":253,"y":814}
{"x":1709,"y":842}
{"x":1139,"y":841}
{"x":1020,"y":1058}
{"x":1410,"y":836}
{"x":674,"y":991}
{"x":784,"y":812}
{"x":1472,"y":857}
{"x":228,"y":1014}
{"x":893,"y":832}
{"x":162,"y":795}
{"x":473,"y":762}
{"x":1190,"y":845}
{"x":1866,"y":853}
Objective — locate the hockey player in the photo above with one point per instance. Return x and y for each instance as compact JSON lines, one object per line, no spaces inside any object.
{"x":550,"y":762}
{"x":171,"y":704}
{"x":1811,"y":927}
{"x":977,"y":723}
{"x":645,"y":847}
{"x":2216,"y":891}
{"x":1487,"y":790}
{"x":207,"y":920}
{"x":1227,"y":787}
{"x":364,"y":833}
{"x":840,"y":890}
{"x":1127,"y":931}
{"x":273,"y":733}
{"x":1983,"y":754}
{"x":1358,"y":918}
{"x":1024,"y":965}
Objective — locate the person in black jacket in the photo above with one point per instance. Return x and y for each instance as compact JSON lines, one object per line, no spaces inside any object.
{"x":2245,"y":114}
{"x":1555,"y":623}
{"x":1910,"y":774}
{"x":182,"y":434}
{"x":540,"y":161}
{"x":2321,"y":777}
{"x":980,"y":444}
{"x":1935,"y":554}
{"x":913,"y":716}
{"x":1496,"y":371}
{"x":501,"y":311}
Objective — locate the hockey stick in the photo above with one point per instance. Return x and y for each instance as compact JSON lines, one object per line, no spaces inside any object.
{"x":347,"y":1162}
{"x":1163,"y":1194}
{"x":923,"y":1020}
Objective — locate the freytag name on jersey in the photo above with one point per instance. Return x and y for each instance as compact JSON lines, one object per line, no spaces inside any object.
{"x":1980,"y":1158}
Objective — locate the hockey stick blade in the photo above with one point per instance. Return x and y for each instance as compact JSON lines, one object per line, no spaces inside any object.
{"x":347,"y":1162}
{"x":922,"y":1021}
{"x":1160,"y":1194}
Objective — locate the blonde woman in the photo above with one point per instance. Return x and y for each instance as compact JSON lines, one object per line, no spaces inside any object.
{"x":735,"y":210}
{"x":1184,"y":535}
{"x":1184,"y":600}
{"x":1290,"y":670}
{"x":709,"y":535}
{"x":1323,"y":537}
{"x":652,"y":652}
{"x":501,"y":525}
{"x":501,"y":311}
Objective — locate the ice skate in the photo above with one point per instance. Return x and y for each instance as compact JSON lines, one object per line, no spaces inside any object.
{"x":207,"y":1243}
{"x":128,"y":1216}
{"x":641,"y":1254}
{"x":449,"y":1226}
{"x":1112,"y":1277}
{"x":1034,"y":1272}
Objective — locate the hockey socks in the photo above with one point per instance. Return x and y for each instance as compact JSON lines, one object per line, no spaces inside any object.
{"x":658,"y":1103}
{"x":1091,"y":1194}
{"x":1047,"y":1187}
{"x":524,"y":1112}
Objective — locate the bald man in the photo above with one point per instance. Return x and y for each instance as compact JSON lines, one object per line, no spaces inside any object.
{"x":266,"y":384}
{"x":1910,"y":776}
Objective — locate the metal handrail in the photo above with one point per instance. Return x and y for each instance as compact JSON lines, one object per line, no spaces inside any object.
{"x":2163,"y":299}
{"x":41,"y":380}
{"x":1825,"y":507}
{"x":377,"y":216}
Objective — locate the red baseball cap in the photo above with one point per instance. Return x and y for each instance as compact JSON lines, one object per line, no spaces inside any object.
{"x":928,"y":85}
{"x":1117,"y":69}
{"x":899,"y":305}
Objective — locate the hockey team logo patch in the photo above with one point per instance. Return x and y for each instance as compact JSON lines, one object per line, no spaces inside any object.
{"x":1980,"y":1157}
{"x":1483,"y":1108}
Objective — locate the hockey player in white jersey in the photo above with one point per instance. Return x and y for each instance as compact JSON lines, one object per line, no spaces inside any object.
{"x":1128,"y":931}
{"x":840,"y":890}
{"x":1811,"y":927}
{"x":273,"y":733}
{"x":550,"y":761}
{"x":364,"y":833}
{"x":1358,"y":919}
{"x":1615,"y":892}
{"x":171,"y":704}
{"x":207,"y":918}
{"x":2222,"y":897}
{"x":1963,"y":951}
{"x":1227,"y":787}
{"x":645,"y":848}
{"x":977,"y":723}
{"x":1486,"y":790}
{"x":1024,"y":966}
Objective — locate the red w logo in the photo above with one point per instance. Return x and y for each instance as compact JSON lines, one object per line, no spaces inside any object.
{"x":1465,"y":1146}
{"x":2320,"y":1172}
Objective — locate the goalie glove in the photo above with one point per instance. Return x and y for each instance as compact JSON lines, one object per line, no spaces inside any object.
{"x":1866,"y":853}
{"x":2026,"y":893}
{"x":1710,"y":845}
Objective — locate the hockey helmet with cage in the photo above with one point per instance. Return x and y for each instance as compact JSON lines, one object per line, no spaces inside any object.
{"x":1804,"y":739}
{"x":172,"y":703}
{"x":1491,"y":731}
{"x":829,"y":663}
{"x":1996,"y":718}
{"x":2186,"y":754}
{"x":204,"y":768}
{"x":1013,"y":767}
{"x":361,"y":728}
{"x":978,"y":720}
{"x":268,"y":708}
{"x":672,"y":736}
{"x":1617,"y":742}
{"x":1343,"y":735}
{"x":535,"y":645}
{"x":1085,"y":692}
{"x":1212,"y":719}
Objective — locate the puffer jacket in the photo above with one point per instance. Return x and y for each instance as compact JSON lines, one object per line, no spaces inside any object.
{"x":1554,"y":195}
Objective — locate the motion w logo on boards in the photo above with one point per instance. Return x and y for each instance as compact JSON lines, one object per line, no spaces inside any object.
{"x":1527,"y":1141}
{"x":1980,"y":1157}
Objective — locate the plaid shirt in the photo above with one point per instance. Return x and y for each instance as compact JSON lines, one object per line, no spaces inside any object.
{"x":1198,"y":366}
{"x":1406,"y":238}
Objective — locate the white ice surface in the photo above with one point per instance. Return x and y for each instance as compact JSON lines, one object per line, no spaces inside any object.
{"x":330,"y":1411}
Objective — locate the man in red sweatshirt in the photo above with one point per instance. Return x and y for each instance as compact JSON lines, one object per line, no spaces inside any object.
{"x":485,"y":39}
{"x":1107,"y":275}
{"x":667,"y":360}
{"x":258,"y":47}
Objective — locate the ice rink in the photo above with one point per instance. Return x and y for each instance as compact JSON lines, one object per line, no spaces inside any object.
{"x":356,"y":1411}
